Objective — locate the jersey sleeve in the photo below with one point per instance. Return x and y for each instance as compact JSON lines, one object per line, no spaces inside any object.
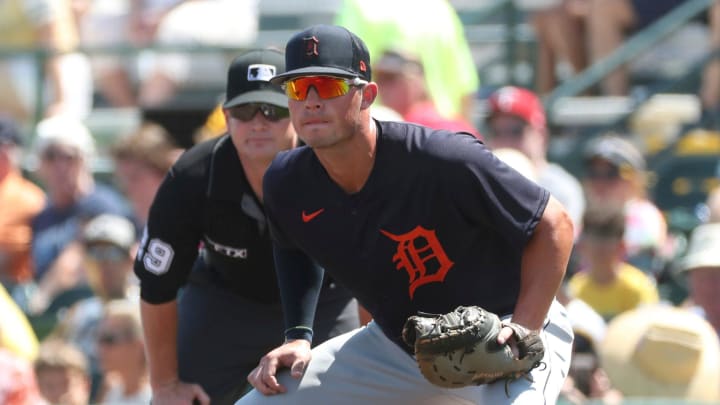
{"x":490,"y":192}
{"x":299,"y":277}
{"x":300,"y":280}
{"x":171,"y":239}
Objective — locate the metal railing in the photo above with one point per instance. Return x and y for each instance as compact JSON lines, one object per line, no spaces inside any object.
{"x":630,"y":49}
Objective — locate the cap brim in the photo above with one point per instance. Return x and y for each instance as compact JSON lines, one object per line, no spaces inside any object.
{"x":312,"y":71}
{"x":259,"y":96}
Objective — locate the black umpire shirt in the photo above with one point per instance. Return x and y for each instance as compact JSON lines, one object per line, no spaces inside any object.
{"x":207,"y":224}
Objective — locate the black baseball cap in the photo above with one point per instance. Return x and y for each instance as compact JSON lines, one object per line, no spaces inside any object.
{"x":325,"y":50}
{"x":249,"y":75}
{"x":9,"y":132}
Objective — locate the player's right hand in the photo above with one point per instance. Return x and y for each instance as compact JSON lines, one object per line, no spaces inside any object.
{"x":294,"y":354}
{"x":180,"y":393}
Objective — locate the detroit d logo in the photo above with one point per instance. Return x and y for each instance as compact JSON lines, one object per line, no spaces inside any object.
{"x":421,"y":255}
{"x":311,"y":46}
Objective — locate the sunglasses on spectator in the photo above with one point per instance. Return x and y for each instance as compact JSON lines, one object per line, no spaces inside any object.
{"x":52,"y":155}
{"x":107,"y":253}
{"x":609,"y":173}
{"x":112,"y":338}
{"x":246,"y":112}
{"x":325,"y":86}
{"x":514,"y":131}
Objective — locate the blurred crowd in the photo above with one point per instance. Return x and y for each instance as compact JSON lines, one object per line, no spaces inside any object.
{"x":640,"y":291}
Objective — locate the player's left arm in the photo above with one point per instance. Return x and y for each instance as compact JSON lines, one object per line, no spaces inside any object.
{"x":544,"y":262}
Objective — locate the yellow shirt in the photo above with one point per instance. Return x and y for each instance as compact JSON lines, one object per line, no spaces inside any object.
{"x":16,"y":334}
{"x":630,"y":289}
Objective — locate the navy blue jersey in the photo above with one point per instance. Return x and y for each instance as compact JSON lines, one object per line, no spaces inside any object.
{"x":440,"y":222}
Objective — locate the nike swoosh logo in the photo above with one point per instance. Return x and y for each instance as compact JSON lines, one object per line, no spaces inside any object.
{"x":309,"y":217}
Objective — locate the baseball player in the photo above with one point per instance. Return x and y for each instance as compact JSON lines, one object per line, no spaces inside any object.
{"x":207,"y":232}
{"x":410,"y":220}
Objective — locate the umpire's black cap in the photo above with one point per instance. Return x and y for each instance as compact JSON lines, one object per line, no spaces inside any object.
{"x":325,"y":50}
{"x":249,"y":77}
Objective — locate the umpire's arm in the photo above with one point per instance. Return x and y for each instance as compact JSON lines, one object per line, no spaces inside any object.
{"x":544,"y":262}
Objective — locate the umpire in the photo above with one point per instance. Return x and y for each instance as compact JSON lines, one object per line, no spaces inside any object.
{"x":207,"y":233}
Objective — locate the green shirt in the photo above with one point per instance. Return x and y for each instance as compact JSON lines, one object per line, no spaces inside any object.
{"x":429,"y":29}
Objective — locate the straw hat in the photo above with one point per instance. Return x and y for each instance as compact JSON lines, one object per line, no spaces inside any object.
{"x":703,"y":248}
{"x":662,"y":351}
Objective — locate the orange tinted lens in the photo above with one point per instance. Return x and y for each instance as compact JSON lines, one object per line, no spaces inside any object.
{"x":325,"y":86}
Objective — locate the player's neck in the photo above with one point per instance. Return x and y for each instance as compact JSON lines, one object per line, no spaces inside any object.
{"x":351,"y":164}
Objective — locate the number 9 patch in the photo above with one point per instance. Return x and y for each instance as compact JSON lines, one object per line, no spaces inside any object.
{"x":158,"y":257}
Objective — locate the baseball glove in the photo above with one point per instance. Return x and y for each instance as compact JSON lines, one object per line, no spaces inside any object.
{"x":460,"y":348}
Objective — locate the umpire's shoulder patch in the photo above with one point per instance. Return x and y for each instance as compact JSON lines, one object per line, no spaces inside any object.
{"x":157,"y":256}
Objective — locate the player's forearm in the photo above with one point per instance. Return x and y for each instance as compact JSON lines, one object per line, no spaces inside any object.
{"x":160,"y":328}
{"x":544,"y":262}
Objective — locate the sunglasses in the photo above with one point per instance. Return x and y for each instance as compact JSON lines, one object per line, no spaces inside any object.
{"x":52,"y":155}
{"x":325,"y":86}
{"x":246,"y":112}
{"x":112,"y":339}
{"x":107,"y":253}
{"x":611,"y":173}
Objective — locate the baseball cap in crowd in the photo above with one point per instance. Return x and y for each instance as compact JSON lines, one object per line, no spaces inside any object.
{"x":9,"y":133}
{"x":616,"y":150}
{"x":703,"y":249}
{"x":662,"y":351}
{"x":519,"y":102}
{"x":64,"y":131}
{"x":109,"y":228}
{"x":325,"y":50}
{"x":248,"y":79}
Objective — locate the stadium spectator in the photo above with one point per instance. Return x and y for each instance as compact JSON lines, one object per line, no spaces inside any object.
{"x":560,"y":37}
{"x":701,"y":263}
{"x":516,"y":119}
{"x":45,"y":25}
{"x":109,"y":245}
{"x":16,"y":333}
{"x":401,"y":78}
{"x":663,"y":353}
{"x":121,"y":352}
{"x":230,"y":24}
{"x":713,"y":203}
{"x":18,"y":385}
{"x":615,"y":175}
{"x":116,"y":24}
{"x":605,"y":281}
{"x":21,"y":201}
{"x":430,"y":29}
{"x":65,"y":149}
{"x":567,"y":30}
{"x":142,"y":159}
{"x":62,"y":374}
